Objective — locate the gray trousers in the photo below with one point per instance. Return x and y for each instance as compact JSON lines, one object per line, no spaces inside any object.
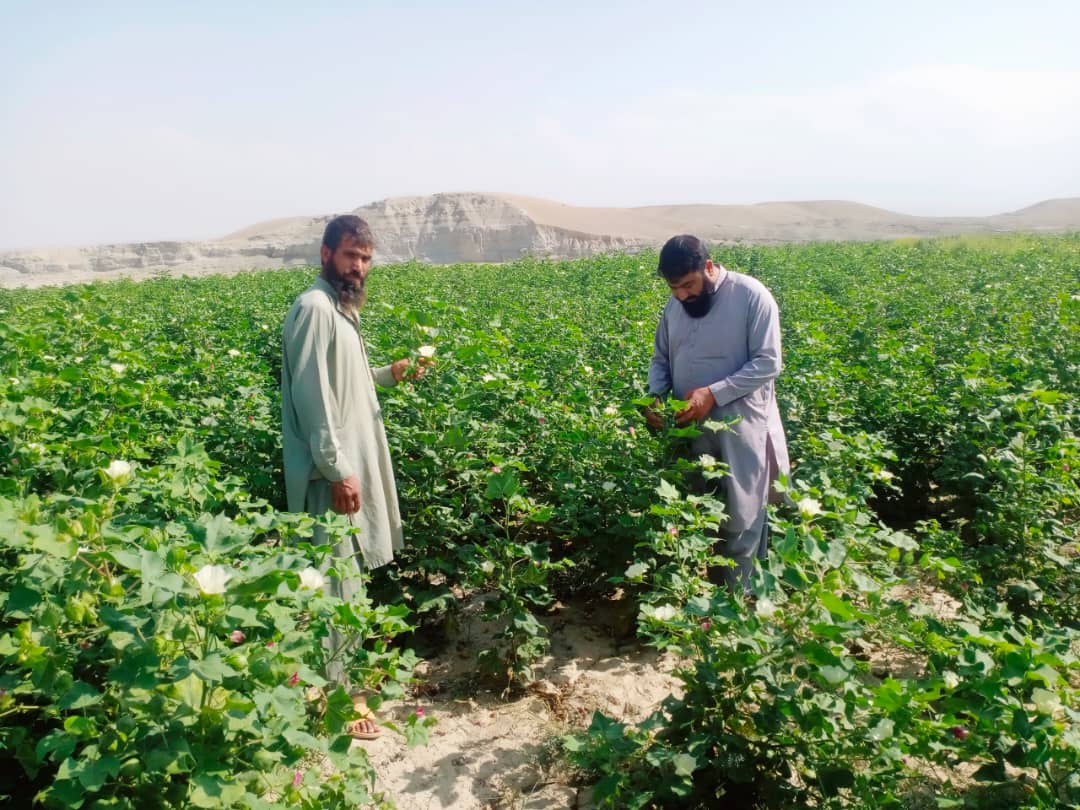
{"x":349,"y":562}
{"x":744,"y":548}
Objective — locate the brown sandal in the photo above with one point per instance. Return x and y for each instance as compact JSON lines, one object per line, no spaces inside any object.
{"x":364,"y":727}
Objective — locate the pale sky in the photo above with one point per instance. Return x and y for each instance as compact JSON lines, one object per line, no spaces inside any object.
{"x":121,"y":122}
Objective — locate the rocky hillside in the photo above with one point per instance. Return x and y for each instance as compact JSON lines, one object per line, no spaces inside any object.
{"x":450,"y":228}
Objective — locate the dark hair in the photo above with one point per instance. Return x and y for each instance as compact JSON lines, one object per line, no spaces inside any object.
{"x":347,"y":225}
{"x":681,"y":255}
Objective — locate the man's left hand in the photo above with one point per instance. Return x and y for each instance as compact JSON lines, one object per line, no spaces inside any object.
{"x":404,"y":370}
{"x":700,"y":402}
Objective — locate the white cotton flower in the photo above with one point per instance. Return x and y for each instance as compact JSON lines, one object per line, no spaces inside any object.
{"x":607,"y":486}
{"x":234,"y":352}
{"x":809,"y":507}
{"x":488,"y":378}
{"x":707,"y":461}
{"x":118,"y":470}
{"x":765,"y":609}
{"x":311,"y":579}
{"x":885,"y":475}
{"x":665,"y":613}
{"x":588,"y":369}
{"x":211,"y":579}
{"x":48,"y":357}
{"x":952,"y":680}
{"x":118,"y":368}
{"x":611,"y":410}
{"x":13,"y":380}
{"x":426,"y":351}
{"x":36,"y":447}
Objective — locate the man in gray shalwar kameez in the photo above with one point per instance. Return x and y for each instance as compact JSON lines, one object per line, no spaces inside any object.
{"x":718,"y":347}
{"x":336,"y":454}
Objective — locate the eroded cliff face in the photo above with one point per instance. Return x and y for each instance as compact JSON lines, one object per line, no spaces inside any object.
{"x":441,"y":229}
{"x":452,"y":228}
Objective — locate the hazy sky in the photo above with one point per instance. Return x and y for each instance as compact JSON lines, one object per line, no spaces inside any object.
{"x":119,"y":122}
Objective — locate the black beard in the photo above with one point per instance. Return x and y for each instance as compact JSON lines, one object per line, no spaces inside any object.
{"x":352,"y":296}
{"x":699,"y":305}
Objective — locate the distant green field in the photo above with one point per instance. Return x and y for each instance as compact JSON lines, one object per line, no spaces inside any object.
{"x":931,"y":394}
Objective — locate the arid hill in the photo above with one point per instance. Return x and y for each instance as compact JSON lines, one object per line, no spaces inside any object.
{"x":475,"y":227}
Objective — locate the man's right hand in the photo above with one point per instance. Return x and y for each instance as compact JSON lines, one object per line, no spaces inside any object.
{"x":345,"y":495}
{"x":652,"y":418}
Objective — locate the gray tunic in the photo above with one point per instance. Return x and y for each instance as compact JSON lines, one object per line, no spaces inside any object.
{"x":735,"y":351}
{"x":331,"y":421}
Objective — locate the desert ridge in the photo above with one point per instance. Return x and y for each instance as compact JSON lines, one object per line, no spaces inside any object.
{"x":463,"y":227}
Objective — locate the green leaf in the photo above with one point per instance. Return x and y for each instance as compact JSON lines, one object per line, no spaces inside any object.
{"x":1048,"y":675}
{"x":80,"y":726}
{"x":213,"y":668}
{"x":45,"y":540}
{"x":79,"y":696}
{"x":836,"y":606}
{"x":501,"y":485}
{"x":190,"y":691}
{"x":834,"y":675}
{"x":901,"y":540}
{"x":56,"y":745}
{"x":214,"y":790}
{"x":339,"y":710}
{"x":152,"y":568}
{"x":96,"y":773}
{"x":245,"y":616}
{"x":126,"y":559}
{"x":667,"y":492}
{"x":219,"y":535}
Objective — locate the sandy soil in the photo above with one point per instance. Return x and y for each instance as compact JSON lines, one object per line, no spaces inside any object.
{"x":491,"y":751}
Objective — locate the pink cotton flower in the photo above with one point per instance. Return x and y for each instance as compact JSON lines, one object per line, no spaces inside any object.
{"x":632,"y":430}
{"x":236,"y":636}
{"x":294,"y":679}
{"x":419,"y":711}
{"x":673,"y":531}
{"x":496,"y":469}
{"x":297,"y":778}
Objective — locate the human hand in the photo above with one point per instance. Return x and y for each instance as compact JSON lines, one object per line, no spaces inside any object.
{"x":345,"y":495}
{"x":403,"y":369}
{"x":652,"y":418}
{"x":698,"y":405}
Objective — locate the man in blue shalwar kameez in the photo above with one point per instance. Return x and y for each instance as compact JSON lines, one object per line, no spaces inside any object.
{"x":717,"y":346}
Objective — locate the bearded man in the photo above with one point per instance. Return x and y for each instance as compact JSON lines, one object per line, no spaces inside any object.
{"x":334,"y":442}
{"x":717,"y":346}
